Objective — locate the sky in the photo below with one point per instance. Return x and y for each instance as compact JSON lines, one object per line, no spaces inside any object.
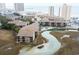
{"x":42,"y":5}
{"x":40,"y":1}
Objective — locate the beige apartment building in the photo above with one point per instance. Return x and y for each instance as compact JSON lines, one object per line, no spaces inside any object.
{"x":19,"y":7}
{"x":28,"y":33}
{"x":2,"y":8}
{"x":18,"y":23}
{"x":51,"y":11}
{"x":53,"y":22}
{"x":66,"y":12}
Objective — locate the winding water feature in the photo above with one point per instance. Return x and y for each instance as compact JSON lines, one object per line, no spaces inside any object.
{"x":51,"y":47}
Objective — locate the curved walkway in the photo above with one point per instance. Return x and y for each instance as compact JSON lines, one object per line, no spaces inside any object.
{"x":51,"y":47}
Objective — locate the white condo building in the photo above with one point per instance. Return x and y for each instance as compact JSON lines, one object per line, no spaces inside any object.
{"x":19,"y":7}
{"x":2,"y":7}
{"x":66,"y":11}
{"x":51,"y":11}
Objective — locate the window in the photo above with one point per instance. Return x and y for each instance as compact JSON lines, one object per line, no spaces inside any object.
{"x":31,"y":39}
{"x":53,"y":24}
{"x":64,"y":24}
{"x":36,"y":34}
{"x":20,"y":26}
{"x":41,"y":23}
{"x":46,"y":23}
{"x":18,"y":37}
{"x":23,"y":39}
{"x":58,"y":24}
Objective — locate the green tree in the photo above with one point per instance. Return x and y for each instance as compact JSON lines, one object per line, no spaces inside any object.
{"x":3,"y":19}
{"x":5,"y":25}
{"x":12,"y":27}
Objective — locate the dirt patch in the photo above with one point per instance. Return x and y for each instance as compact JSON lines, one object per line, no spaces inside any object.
{"x":70,"y":46}
{"x":8,"y":43}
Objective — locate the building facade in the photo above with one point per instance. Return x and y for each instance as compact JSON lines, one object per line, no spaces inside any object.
{"x":2,"y":8}
{"x":18,"y":23}
{"x":19,"y":7}
{"x":28,"y":33}
{"x":66,"y":12}
{"x":51,"y":11}
{"x":53,"y":22}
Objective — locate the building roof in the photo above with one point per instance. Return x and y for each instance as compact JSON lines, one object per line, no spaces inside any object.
{"x":52,"y":19}
{"x":29,"y":30}
{"x":18,"y":22}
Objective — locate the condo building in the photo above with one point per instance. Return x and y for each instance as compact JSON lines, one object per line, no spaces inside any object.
{"x":51,"y":11}
{"x":2,"y":7}
{"x":18,"y":23}
{"x":53,"y":22}
{"x":66,"y":11}
{"x":19,"y":7}
{"x":28,"y":33}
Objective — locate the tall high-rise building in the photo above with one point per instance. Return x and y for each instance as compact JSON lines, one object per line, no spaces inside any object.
{"x":69,"y":12}
{"x":19,"y":7}
{"x":59,"y":12}
{"x":51,"y":11}
{"x":2,"y":7}
{"x":66,"y":11}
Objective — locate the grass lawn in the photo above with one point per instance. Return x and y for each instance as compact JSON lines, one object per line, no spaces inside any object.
{"x":8,"y":43}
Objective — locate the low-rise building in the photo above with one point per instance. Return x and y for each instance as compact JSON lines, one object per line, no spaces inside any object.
{"x":28,"y":33}
{"x":18,"y":23}
{"x":12,"y":17}
{"x":53,"y":22}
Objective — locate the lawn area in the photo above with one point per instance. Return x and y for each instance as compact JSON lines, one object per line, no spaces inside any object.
{"x":70,"y":45}
{"x":8,"y":43}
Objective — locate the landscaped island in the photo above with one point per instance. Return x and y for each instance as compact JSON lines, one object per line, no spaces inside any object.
{"x":69,"y":42}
